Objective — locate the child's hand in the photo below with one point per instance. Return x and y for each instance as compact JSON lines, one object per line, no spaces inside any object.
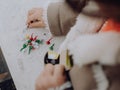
{"x":34,"y":18}
{"x":51,"y":77}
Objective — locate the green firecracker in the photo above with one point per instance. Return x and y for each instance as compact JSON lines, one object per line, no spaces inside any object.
{"x":30,"y":48}
{"x":29,"y":41}
{"x":39,"y":41}
{"x":32,"y":42}
{"x":24,"y":46}
{"x":52,"y":47}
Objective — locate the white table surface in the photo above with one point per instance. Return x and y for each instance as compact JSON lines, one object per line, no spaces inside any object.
{"x":24,"y":68}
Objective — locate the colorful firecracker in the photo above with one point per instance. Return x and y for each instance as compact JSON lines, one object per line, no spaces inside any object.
{"x":48,"y":42}
{"x":31,"y":43}
{"x":52,"y":47}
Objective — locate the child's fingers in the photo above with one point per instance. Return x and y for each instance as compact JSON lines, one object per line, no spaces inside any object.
{"x":49,"y":68}
{"x":34,"y":18}
{"x":59,"y":75}
{"x":30,"y":19}
{"x":39,"y":85}
{"x":31,"y":12}
{"x":38,"y":9}
{"x":34,"y":10}
{"x":36,"y":24}
{"x":59,"y":70}
{"x":34,"y":14}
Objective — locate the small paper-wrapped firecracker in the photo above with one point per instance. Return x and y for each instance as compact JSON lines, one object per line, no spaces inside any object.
{"x":51,"y":57}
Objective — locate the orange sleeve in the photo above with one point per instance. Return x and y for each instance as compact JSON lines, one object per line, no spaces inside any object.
{"x":111,"y":25}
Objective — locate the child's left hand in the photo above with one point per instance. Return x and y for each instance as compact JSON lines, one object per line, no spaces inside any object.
{"x":34,"y":18}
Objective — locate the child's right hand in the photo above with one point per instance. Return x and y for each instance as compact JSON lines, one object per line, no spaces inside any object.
{"x":51,"y":77}
{"x":34,"y":18}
